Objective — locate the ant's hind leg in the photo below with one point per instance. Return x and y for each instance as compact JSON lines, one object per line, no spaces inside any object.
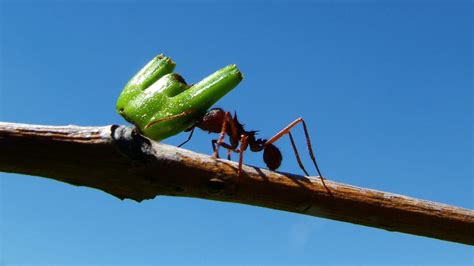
{"x":286,"y":130}
{"x":295,"y":150}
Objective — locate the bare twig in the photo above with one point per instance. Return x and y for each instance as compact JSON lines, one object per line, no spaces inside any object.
{"x":118,"y":161}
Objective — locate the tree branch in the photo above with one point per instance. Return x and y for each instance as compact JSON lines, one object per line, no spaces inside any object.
{"x":120,"y":162}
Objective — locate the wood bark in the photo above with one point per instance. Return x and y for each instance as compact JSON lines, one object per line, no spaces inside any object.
{"x":119,"y":161}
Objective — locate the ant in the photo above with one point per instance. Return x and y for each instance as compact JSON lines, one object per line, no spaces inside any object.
{"x":217,"y":120}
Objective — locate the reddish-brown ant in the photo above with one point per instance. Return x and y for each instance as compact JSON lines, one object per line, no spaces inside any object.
{"x":218,"y":121}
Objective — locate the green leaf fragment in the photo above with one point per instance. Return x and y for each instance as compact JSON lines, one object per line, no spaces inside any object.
{"x":160,"y":104}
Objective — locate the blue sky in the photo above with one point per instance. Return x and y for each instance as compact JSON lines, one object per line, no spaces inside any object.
{"x":386,"y":90}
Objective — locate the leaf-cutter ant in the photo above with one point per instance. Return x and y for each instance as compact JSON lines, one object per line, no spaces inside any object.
{"x":217,"y":120}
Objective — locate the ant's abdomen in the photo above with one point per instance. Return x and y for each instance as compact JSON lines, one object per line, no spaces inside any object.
{"x":272,"y":157}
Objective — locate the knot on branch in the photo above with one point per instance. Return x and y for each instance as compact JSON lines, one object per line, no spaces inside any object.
{"x":132,"y":144}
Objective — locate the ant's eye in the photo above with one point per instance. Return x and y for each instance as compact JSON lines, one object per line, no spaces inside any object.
{"x":272,"y":157}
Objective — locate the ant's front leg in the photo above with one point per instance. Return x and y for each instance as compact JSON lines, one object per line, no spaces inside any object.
{"x":189,"y":137}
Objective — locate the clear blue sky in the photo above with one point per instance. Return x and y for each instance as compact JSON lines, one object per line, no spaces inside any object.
{"x":386,"y":90}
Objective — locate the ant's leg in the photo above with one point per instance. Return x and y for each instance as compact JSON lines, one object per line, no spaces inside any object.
{"x":221,"y":136}
{"x":189,"y":137}
{"x":233,"y":132}
{"x":286,"y":130}
{"x":243,"y":147}
{"x":225,"y":145}
{"x":297,"y":154}
{"x":310,"y":149}
{"x":216,"y":152}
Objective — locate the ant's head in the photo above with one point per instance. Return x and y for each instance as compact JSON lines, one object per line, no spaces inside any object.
{"x":212,"y":120}
{"x":272,"y":157}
